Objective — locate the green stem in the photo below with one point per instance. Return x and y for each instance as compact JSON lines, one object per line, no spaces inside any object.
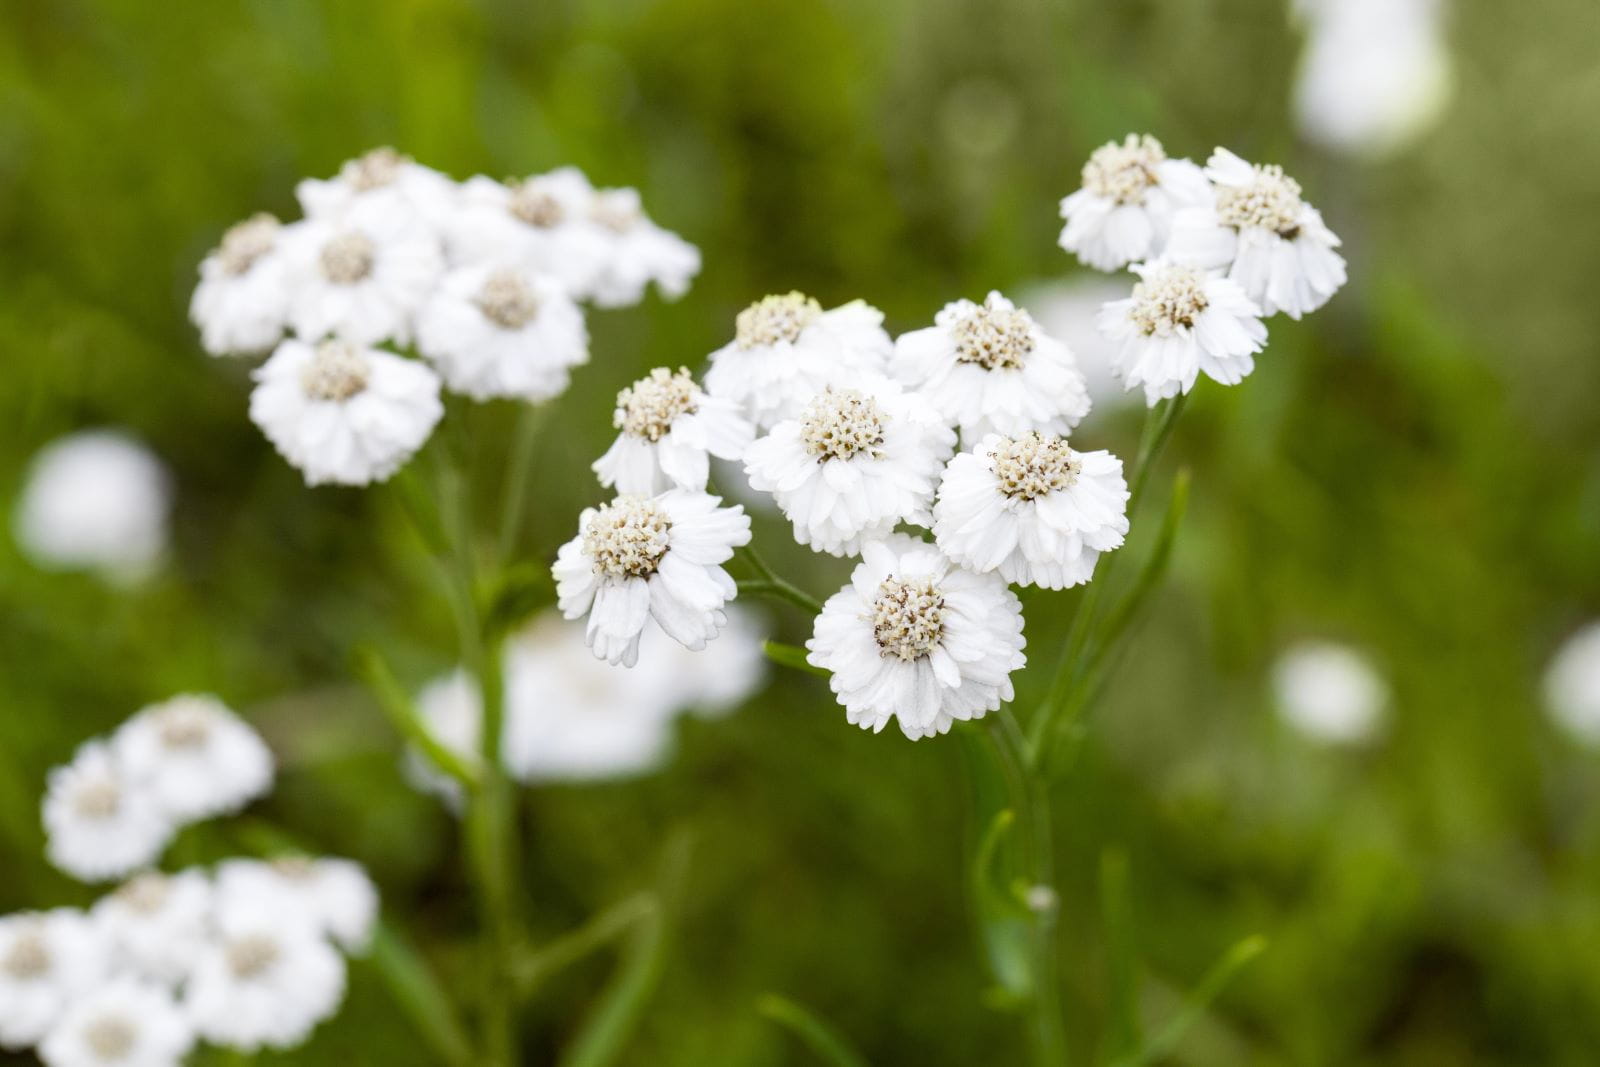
{"x":770,"y":585}
{"x":518,"y":471}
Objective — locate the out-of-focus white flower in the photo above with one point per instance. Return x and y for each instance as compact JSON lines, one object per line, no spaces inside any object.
{"x":360,"y":274}
{"x":1329,"y":692}
{"x":1267,"y":239}
{"x":452,"y":710}
{"x":48,"y":960}
{"x":155,"y":924}
{"x":642,"y":558}
{"x":670,"y":430}
{"x":95,"y":500}
{"x":263,"y":981}
{"x":1179,"y":322}
{"x":787,"y":349}
{"x":1124,"y":211}
{"x":855,"y":463}
{"x":342,"y":413}
{"x":503,"y":331}
{"x":1374,"y":74}
{"x":1067,"y":309}
{"x":100,"y":823}
{"x":1032,"y":508}
{"x":334,"y":896}
{"x":382,"y":173}
{"x":640,"y":252}
{"x":196,"y":757}
{"x":720,"y":677}
{"x":1572,"y":685}
{"x":242,"y":302}
{"x":988,"y":368}
{"x":542,"y":223}
{"x":125,"y":1023}
{"x":915,"y":638}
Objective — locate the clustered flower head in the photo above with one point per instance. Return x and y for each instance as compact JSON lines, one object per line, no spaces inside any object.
{"x":400,"y":282}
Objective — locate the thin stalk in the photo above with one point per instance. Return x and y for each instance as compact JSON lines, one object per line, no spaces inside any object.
{"x":518,"y":470}
{"x":769,"y":584}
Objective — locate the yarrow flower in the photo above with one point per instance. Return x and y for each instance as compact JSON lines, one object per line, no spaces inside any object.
{"x":1031,"y":508}
{"x":541,"y":223}
{"x":855,"y":463}
{"x":989,"y":368}
{"x":100,"y":825}
{"x":48,"y":960}
{"x":915,"y":638}
{"x":195,"y":756}
{"x":1179,"y":322}
{"x":334,"y":896}
{"x":156,"y":924}
{"x":638,"y":253}
{"x":1329,"y":692}
{"x":641,"y":558}
{"x":242,"y":302}
{"x":1123,"y":213}
{"x":381,"y":174}
{"x":125,"y":1023}
{"x":342,"y":413}
{"x":670,"y":429}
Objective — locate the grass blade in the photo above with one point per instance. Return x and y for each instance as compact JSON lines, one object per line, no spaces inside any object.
{"x":818,"y":1036}
{"x":1215,"y":980}
{"x":417,"y":990}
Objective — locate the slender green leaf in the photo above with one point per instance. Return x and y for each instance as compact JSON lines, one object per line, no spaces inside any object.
{"x":592,"y":936}
{"x":397,"y":705}
{"x":418,"y":991}
{"x":791,"y":656}
{"x":1195,"y":1005}
{"x":822,"y":1039}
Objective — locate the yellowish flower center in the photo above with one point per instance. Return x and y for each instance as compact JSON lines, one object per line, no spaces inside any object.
{"x":246,"y":242}
{"x":993,"y":336}
{"x":1030,"y":466}
{"x":842,"y":424}
{"x":347,"y":258}
{"x":1123,"y":172}
{"x":648,"y":407}
{"x":337,"y":371}
{"x":1270,"y":202}
{"x":110,"y":1037}
{"x":97,"y":800}
{"x":376,"y":169}
{"x":775,"y":319}
{"x":252,"y":955}
{"x":1169,"y":300}
{"x":907,"y":618}
{"x":535,"y":205}
{"x":507,"y":300}
{"x":627,"y":538}
{"x":28,"y":957}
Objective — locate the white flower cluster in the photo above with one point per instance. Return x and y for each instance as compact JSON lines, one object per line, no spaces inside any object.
{"x":246,"y":956}
{"x":392,"y":260}
{"x":1215,"y":250}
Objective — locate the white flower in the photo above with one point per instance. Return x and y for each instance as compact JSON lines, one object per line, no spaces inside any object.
{"x":452,"y":712}
{"x":125,"y":1023}
{"x":915,"y":638}
{"x":196,"y":757}
{"x":720,"y":677}
{"x":988,"y":368}
{"x":1572,"y":685}
{"x":639,"y":252}
{"x":1179,"y":322}
{"x":156,"y":924}
{"x":100,"y":823}
{"x":1124,"y":211}
{"x":787,"y":349}
{"x":263,"y":981}
{"x":361,"y":274}
{"x":95,"y":500}
{"x":334,"y":896}
{"x":242,"y":302}
{"x":380,"y":174}
{"x":495,"y":330}
{"x":48,"y":960}
{"x":342,"y":413}
{"x":1066,"y":309}
{"x":1329,"y":692}
{"x":670,"y":429}
{"x":1032,"y":508}
{"x":542,"y":223}
{"x":1274,"y":244}
{"x":855,"y":463}
{"x":639,"y":558}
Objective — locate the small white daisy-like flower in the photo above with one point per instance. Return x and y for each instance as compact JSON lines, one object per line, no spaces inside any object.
{"x":361,"y":274}
{"x":242,"y":302}
{"x":344,"y":414}
{"x":48,"y":960}
{"x":988,"y":368}
{"x":857,"y":462}
{"x":125,"y":1023}
{"x":1123,"y":213}
{"x":670,"y":430}
{"x":101,"y":823}
{"x":1066,"y":309}
{"x":641,"y":558}
{"x":1572,"y":685}
{"x":1032,"y":508}
{"x":915,"y":638}
{"x":196,"y":757}
{"x":1179,"y":322}
{"x":1269,"y":240}
{"x":263,"y":981}
{"x":542,"y":223}
{"x":1329,"y":692}
{"x":786,"y":349}
{"x":334,"y":896}
{"x":452,"y":711}
{"x":639,"y":252}
{"x":95,"y":500}
{"x":380,"y":174}
{"x":155,"y":924}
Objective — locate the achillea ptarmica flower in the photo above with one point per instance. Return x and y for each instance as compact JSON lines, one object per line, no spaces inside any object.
{"x":1032,"y":508}
{"x":641,"y":558}
{"x":670,"y":429}
{"x":128,"y":1022}
{"x":855,"y":463}
{"x":382,"y":173}
{"x":915,"y":638}
{"x":196,"y":757}
{"x":361,"y":274}
{"x":333,"y":895}
{"x":48,"y":960}
{"x":1123,"y":213}
{"x":639,"y":252}
{"x":342,"y":413}
{"x":263,"y":982}
{"x":989,"y":368}
{"x":1179,"y":322}
{"x":1269,"y":240}
{"x":499,"y":330}
{"x":1329,"y":692}
{"x":541,"y":223}
{"x":101,"y":824}
{"x":242,"y":302}
{"x":787,"y":349}
{"x":155,"y":924}
{"x":1572,"y":685}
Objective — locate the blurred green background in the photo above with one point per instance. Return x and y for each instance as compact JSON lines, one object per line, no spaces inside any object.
{"x":1415,"y":470}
